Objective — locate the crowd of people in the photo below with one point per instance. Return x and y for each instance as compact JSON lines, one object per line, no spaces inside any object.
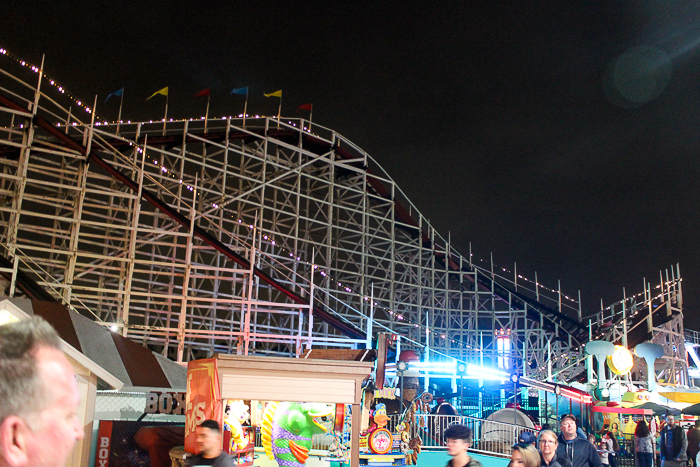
{"x":569,"y":449}
{"x":572,"y":448}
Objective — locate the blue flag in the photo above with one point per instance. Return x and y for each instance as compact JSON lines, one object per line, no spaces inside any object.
{"x":242,"y":91}
{"x":115,"y":94}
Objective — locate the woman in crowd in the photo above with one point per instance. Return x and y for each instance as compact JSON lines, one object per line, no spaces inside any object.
{"x":524,"y":456}
{"x":606,"y":449}
{"x":643,"y":445}
{"x":548,"y":451}
{"x":616,"y":431}
{"x":612,"y":455}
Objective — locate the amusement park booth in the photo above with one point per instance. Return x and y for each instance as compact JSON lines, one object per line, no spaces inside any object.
{"x":213,"y":380}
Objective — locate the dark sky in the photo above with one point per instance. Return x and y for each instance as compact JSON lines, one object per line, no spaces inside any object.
{"x":563,"y":136}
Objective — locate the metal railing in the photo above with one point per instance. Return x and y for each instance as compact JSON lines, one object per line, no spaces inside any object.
{"x":488,"y":436}
{"x":625,"y":456}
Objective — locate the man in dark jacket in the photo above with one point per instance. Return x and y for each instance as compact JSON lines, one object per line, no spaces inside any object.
{"x":694,"y":442}
{"x":673,"y":444}
{"x":209,"y":444}
{"x":576,"y":448}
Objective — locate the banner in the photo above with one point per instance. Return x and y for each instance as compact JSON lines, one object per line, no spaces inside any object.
{"x":104,"y":442}
{"x":124,"y":443}
{"x":203,"y":398}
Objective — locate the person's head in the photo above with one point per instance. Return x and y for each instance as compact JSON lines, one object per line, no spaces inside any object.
{"x":671,"y":420}
{"x":440,"y":400}
{"x":526,"y":437}
{"x":524,"y":456}
{"x":548,"y":443}
{"x":459,"y":438}
{"x":38,"y":414}
{"x":568,"y":426}
{"x":697,"y":423}
{"x":209,"y":439}
{"x":642,"y":429}
{"x":614,"y":427}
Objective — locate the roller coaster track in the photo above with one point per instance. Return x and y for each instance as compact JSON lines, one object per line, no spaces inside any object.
{"x":314,"y":145}
{"x":181,"y":219}
{"x":311,"y":191}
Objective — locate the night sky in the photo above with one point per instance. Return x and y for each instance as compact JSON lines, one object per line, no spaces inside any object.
{"x":563,"y":136}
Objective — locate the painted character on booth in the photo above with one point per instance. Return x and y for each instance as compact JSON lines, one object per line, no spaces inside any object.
{"x":287,"y":430}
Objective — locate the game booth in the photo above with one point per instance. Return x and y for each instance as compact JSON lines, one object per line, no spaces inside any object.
{"x":285,"y":402}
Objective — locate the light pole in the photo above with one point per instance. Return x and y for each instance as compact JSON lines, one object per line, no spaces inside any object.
{"x":514,"y":378}
{"x":461,"y":369}
{"x":401,"y":368}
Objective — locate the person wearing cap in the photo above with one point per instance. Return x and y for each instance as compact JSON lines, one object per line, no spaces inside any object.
{"x":673,"y":444}
{"x":459,"y":438}
{"x":575,"y":447}
{"x":526,"y":438}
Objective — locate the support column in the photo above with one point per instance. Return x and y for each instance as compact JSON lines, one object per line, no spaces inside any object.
{"x":77,"y":215}
{"x":21,"y":184}
{"x":181,"y":325}
{"x":124,"y":318}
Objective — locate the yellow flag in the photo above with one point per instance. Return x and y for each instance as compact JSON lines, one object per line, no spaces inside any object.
{"x":275,"y":94}
{"x":163,"y":91}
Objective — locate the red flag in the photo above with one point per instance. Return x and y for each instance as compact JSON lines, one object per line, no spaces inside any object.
{"x":203,"y":92}
{"x":308,"y":107}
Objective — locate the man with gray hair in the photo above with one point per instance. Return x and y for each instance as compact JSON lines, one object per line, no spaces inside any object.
{"x":38,"y":397}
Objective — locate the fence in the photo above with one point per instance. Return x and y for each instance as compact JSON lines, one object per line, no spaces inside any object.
{"x":488,"y":437}
{"x":625,"y":457}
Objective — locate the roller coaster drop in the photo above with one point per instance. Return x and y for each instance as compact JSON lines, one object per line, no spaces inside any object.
{"x":264,"y":236}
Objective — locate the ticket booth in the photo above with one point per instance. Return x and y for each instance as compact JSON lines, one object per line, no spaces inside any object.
{"x":212,"y":380}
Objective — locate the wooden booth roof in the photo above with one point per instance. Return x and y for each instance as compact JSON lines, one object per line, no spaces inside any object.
{"x":292,"y":379}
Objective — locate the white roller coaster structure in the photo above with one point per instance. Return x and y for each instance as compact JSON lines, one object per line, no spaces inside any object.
{"x":259,"y":236}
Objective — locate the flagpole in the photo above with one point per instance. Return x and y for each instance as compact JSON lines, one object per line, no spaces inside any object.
{"x":245,"y":107}
{"x":121,"y":102}
{"x":165,"y":119}
{"x":311,"y":116}
{"x":279,"y":112}
{"x":206,"y":114}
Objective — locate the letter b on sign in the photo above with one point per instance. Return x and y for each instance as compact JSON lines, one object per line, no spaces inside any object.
{"x":151,"y":403}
